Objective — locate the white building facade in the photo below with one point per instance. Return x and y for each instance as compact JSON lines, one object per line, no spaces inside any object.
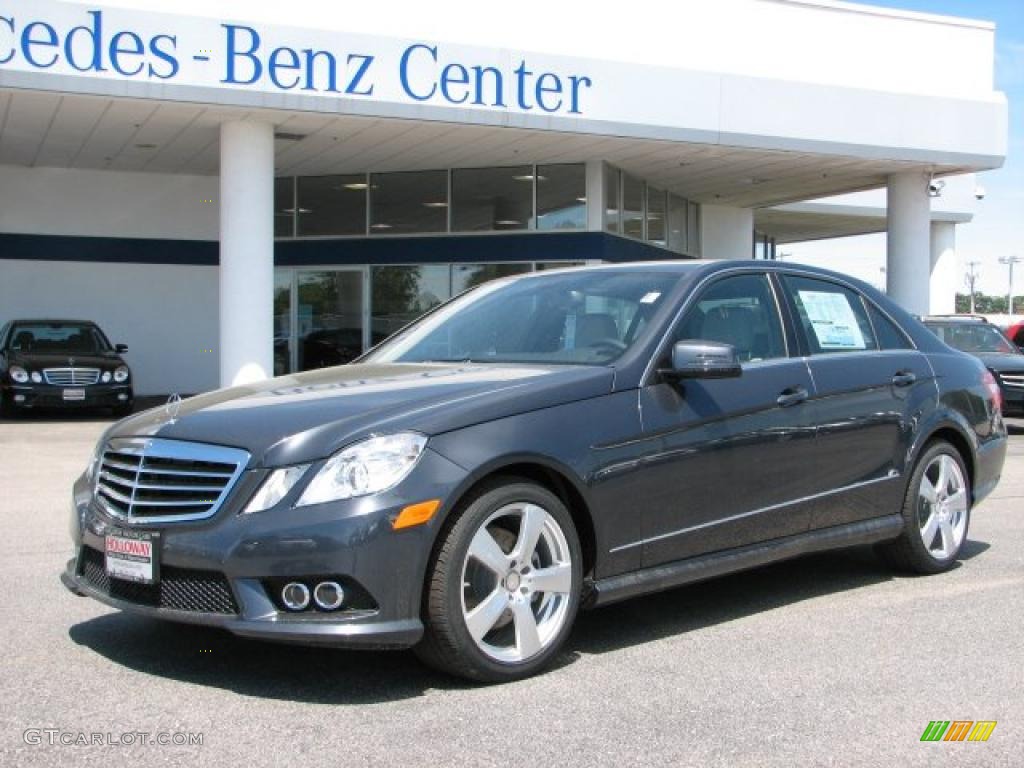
{"x":241,"y":190}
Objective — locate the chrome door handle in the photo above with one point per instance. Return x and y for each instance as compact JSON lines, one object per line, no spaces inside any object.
{"x":791,"y":396}
{"x":904,"y":379}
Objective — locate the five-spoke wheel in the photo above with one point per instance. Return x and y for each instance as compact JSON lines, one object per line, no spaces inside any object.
{"x":936,"y":512}
{"x":504,"y":585}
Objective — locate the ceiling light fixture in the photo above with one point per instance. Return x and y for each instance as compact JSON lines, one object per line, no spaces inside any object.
{"x":380,"y":225}
{"x":529,"y":177}
{"x":508,"y":223}
{"x":356,"y":186}
{"x":435,"y":204}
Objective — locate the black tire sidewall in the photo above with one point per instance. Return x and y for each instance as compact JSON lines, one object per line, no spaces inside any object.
{"x":465,"y":528}
{"x":913,"y":532}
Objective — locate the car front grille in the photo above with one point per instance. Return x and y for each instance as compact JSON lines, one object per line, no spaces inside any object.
{"x":1015,"y":380}
{"x":156,"y":480}
{"x":179,"y":589}
{"x":71,"y":377}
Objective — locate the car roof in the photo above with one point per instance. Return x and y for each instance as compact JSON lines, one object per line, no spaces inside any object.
{"x":954,"y":320}
{"x":50,"y":321}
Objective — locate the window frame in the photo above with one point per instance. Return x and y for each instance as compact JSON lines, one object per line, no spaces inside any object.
{"x":801,"y":332}
{"x":664,"y":348}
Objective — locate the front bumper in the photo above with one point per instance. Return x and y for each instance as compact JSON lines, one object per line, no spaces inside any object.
{"x":50,"y":396}
{"x":227,"y":571}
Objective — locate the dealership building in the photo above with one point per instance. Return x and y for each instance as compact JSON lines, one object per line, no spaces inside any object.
{"x":238,"y":190}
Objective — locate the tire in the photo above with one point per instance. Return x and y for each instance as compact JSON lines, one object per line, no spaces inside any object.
{"x":486,"y":616}
{"x":936,"y":513}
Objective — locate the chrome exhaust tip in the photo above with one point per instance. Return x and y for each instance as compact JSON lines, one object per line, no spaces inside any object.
{"x":295,"y":596}
{"x":329,"y":595}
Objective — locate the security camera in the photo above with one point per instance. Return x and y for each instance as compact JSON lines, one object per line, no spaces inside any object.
{"x":979,"y":192}
{"x":935,"y":187}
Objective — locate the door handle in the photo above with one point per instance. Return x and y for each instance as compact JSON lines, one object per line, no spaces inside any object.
{"x":904,"y":379}
{"x":791,"y":396}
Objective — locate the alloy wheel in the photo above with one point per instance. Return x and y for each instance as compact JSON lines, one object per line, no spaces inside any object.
{"x":942,"y":507}
{"x":516,"y":583}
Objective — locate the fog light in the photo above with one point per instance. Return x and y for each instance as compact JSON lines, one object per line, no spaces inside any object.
{"x":19,"y":398}
{"x":329,"y":595}
{"x":295,"y":596}
{"x":122,"y":396}
{"x":36,"y":377}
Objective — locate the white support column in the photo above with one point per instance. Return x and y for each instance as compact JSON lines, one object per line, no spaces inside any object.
{"x":908,"y":263}
{"x":246,"y":252}
{"x":943,"y":284}
{"x":726,"y":232}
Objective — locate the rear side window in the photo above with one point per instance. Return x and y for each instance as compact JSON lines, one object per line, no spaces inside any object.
{"x":833,"y":318}
{"x":740,"y":311}
{"x":888,"y":334}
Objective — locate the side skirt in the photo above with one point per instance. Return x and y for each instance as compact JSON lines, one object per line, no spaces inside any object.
{"x":669,"y":575}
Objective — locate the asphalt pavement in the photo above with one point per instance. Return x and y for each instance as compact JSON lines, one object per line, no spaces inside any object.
{"x":826,"y":660}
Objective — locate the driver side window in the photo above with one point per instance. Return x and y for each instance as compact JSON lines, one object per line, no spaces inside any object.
{"x":740,"y":311}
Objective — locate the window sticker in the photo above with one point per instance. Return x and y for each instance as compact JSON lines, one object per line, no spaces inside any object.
{"x":833,"y":320}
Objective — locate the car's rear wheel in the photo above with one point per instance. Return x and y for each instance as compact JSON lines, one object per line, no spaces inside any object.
{"x":504,"y":585}
{"x":936,"y":513}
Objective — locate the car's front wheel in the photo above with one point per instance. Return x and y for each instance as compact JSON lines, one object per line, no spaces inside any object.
{"x":504,"y":585}
{"x":936,"y":513}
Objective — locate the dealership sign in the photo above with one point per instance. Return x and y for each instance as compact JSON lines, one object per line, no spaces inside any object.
{"x":125,"y":45}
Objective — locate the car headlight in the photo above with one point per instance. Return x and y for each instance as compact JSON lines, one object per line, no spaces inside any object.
{"x":275,"y":488}
{"x":121,"y":374}
{"x":37,"y":377}
{"x":18,"y":374}
{"x":369,"y":466}
{"x":105,"y":378}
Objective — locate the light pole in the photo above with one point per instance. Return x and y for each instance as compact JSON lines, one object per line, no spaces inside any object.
{"x":1009,"y":261}
{"x":971,"y":278}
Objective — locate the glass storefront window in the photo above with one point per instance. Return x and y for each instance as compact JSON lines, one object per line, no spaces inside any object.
{"x":561,"y":197}
{"x":466,"y":276}
{"x":693,"y":228}
{"x":282,"y":321}
{"x":408,"y":202}
{"x":329,"y":318}
{"x":284,"y":206}
{"x":332,"y":205}
{"x":489,"y":199}
{"x":677,"y":223}
{"x":656,"y":215}
{"x":632,"y":206}
{"x":401,"y":294}
{"x":611,"y":199}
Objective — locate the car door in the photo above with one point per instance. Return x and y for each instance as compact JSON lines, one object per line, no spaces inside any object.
{"x":731,"y":455}
{"x":870,"y":385}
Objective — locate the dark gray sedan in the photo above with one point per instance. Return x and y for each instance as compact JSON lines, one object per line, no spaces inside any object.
{"x":541,"y":444}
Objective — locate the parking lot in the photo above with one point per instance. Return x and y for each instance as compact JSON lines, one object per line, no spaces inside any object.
{"x":828,"y":660}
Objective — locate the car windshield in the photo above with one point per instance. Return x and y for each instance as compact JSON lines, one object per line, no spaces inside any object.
{"x":58,"y":339}
{"x":976,"y":338}
{"x":581,"y":318}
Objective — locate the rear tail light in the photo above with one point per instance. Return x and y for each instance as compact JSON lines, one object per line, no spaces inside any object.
{"x":995,"y":393}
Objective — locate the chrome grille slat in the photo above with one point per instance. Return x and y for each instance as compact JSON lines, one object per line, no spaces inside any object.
{"x":1012,"y":379}
{"x":157,"y":480}
{"x":71,"y":377}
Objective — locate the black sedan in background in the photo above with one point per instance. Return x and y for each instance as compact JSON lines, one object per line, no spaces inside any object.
{"x":980,"y":338}
{"x":541,"y":444}
{"x":61,"y":364}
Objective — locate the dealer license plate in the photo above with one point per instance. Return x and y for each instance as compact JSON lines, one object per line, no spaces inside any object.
{"x":74,"y":394}
{"x":133,"y":556}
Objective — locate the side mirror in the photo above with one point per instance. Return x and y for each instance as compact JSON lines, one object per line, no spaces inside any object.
{"x":696,"y":359}
{"x":121,"y":348}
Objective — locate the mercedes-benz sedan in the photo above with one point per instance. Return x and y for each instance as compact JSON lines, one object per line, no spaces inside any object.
{"x":542,"y":444}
